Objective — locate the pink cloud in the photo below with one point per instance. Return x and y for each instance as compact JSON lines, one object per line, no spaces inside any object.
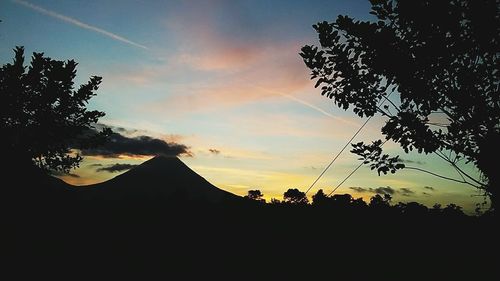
{"x":227,"y":58}
{"x":263,"y":72}
{"x":240,"y":71}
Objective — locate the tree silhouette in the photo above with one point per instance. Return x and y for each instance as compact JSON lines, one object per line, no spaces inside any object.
{"x":379,"y":201}
{"x":342,"y":200}
{"x":295,"y":196}
{"x":42,"y":116}
{"x":453,"y":210}
{"x":439,"y":60}
{"x":412,"y":209}
{"x":255,"y":195}
{"x":275,"y":202}
{"x":320,"y":198}
{"x":358,"y":204}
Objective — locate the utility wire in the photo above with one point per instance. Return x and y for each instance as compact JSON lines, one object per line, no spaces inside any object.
{"x":345,"y":146}
{"x":354,"y":171}
{"x":338,"y":154}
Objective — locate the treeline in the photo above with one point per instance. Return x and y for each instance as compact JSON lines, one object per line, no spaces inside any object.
{"x":379,"y":203}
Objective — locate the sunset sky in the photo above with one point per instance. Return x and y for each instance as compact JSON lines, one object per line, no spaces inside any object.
{"x":225,"y":79}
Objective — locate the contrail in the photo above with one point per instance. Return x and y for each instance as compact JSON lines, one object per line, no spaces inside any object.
{"x":78,"y":23}
{"x":303,"y":102}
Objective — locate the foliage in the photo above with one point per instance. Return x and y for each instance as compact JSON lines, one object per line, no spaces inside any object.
{"x":275,"y":202}
{"x":320,"y":198}
{"x":255,"y":195}
{"x":295,"y":196}
{"x":439,"y":60}
{"x":372,"y":154}
{"x":43,"y":116}
{"x":379,"y":201}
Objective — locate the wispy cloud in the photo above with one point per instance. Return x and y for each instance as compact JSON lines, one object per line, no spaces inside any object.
{"x":296,"y":99}
{"x":263,"y":69}
{"x":78,"y":23}
{"x":214,"y":151}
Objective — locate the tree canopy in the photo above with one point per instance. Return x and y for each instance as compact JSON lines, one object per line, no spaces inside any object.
{"x":43,"y":116}
{"x":295,"y":196}
{"x":255,"y":195}
{"x":434,"y":64}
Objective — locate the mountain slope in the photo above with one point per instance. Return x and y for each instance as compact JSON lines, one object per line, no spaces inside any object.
{"x":160,"y":178}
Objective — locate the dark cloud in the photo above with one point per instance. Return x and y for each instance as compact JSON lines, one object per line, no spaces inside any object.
{"x":359,"y":189}
{"x":408,"y":161}
{"x":406,"y":191}
{"x":116,"y":168}
{"x":384,"y":190}
{"x":133,"y":146}
{"x":429,"y":188}
{"x":214,"y":151}
{"x":60,"y":174}
{"x":379,"y":190}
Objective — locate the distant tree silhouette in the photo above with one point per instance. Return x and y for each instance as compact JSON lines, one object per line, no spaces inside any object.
{"x":338,"y":201}
{"x":295,"y":196}
{"x":440,"y":59}
{"x":453,"y":210}
{"x":275,"y":201}
{"x":255,"y":195}
{"x":358,"y":204}
{"x":436,"y":206}
{"x":411,"y":208}
{"x":320,"y":198}
{"x":43,"y":116}
{"x":342,"y":200}
{"x":379,"y":201}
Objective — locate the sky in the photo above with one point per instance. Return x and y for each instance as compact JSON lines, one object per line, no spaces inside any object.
{"x":224,"y":79}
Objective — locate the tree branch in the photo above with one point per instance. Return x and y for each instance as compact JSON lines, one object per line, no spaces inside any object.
{"x":440,"y":176}
{"x":445,"y":158}
{"x":396,"y":107}
{"x":383,"y":112}
{"x":448,"y":114}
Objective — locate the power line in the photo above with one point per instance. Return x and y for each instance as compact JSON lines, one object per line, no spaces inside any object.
{"x":354,"y":171}
{"x":338,"y":154}
{"x":346,"y":145}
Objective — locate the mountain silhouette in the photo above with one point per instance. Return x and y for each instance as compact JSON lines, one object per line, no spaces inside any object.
{"x":34,"y":185}
{"x":160,"y":178}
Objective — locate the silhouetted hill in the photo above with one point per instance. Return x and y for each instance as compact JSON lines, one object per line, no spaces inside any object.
{"x":160,"y":178}
{"x":99,"y":233}
{"x":28,"y":184}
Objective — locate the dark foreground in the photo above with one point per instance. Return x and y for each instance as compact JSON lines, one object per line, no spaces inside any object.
{"x":69,"y":237}
{"x":86,"y":238}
